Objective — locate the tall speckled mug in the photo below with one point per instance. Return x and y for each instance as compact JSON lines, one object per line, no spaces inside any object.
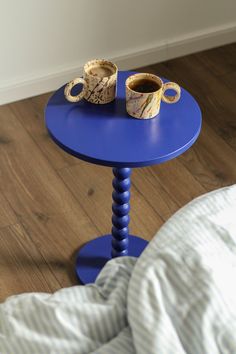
{"x":144,"y":93}
{"x":99,"y":82}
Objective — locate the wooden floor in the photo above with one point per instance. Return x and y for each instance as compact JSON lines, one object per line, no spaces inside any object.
{"x":52,"y":203}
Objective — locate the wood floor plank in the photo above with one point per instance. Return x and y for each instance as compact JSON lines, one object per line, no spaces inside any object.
{"x":211,"y":160}
{"x":58,"y":238}
{"x":219,"y":61}
{"x":151,"y":188}
{"x":29,"y":182}
{"x":178,"y":182}
{"x":40,"y":198}
{"x":30,"y":113}
{"x":229,"y":79}
{"x":21,"y":266}
{"x":7,"y":215}
{"x":91,"y":185}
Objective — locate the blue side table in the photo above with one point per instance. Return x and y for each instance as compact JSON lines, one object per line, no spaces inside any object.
{"x":107,"y":135}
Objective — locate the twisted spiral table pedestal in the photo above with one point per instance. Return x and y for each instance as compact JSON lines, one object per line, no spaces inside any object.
{"x":92,"y":257}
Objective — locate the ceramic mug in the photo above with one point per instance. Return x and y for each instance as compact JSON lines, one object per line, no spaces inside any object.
{"x":99,"y":82}
{"x":144,"y":93}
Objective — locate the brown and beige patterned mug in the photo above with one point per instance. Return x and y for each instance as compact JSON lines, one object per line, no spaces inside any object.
{"x":144,"y":93}
{"x":99,"y":82}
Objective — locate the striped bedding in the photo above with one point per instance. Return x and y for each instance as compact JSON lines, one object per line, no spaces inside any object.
{"x":178,"y":297}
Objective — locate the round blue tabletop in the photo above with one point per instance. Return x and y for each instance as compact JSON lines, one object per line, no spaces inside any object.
{"x":107,"y":135}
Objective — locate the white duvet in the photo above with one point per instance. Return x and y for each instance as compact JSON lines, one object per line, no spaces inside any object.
{"x":178,"y":297}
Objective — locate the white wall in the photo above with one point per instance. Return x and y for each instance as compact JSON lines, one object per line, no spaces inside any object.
{"x":44,"y":43}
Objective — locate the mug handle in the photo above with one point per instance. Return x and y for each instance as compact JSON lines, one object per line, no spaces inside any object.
{"x":70,"y":85}
{"x":172,"y":86}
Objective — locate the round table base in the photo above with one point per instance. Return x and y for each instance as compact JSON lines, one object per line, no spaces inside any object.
{"x":92,"y":257}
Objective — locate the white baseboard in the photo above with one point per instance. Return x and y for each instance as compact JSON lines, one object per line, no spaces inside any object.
{"x":176,"y":47}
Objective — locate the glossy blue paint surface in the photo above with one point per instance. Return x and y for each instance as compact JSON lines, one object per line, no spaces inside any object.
{"x":92,"y":257}
{"x":107,"y":135}
{"x":120,"y":208}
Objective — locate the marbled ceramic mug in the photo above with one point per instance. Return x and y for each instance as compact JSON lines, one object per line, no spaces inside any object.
{"x":144,"y":93}
{"x":99,"y":82}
